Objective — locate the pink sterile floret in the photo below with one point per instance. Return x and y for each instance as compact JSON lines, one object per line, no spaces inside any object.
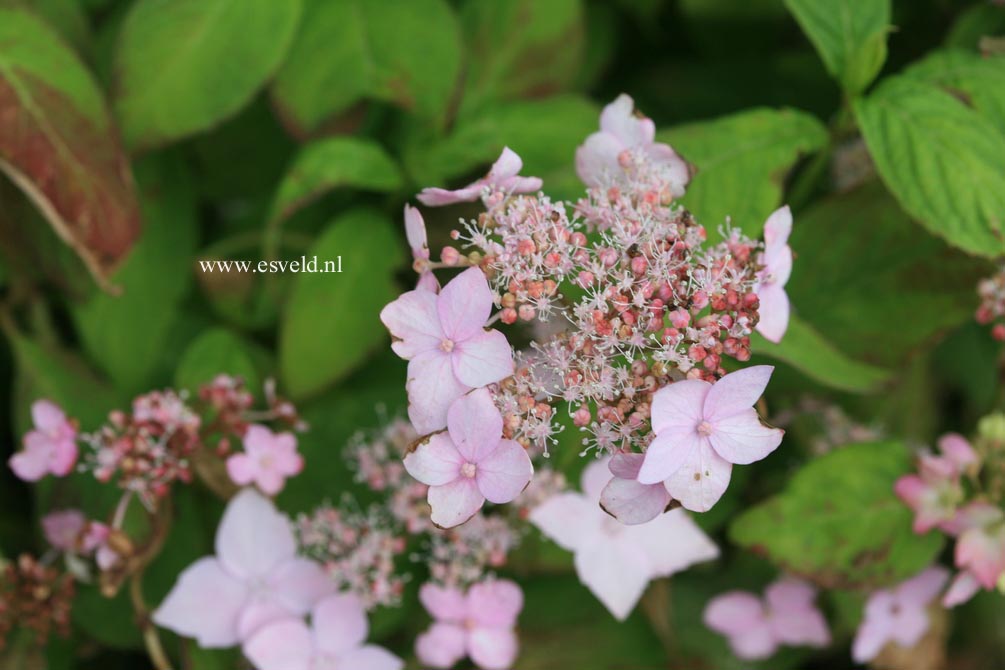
{"x":50,"y":448}
{"x":503,"y":179}
{"x":771,"y":280}
{"x":267,"y":461}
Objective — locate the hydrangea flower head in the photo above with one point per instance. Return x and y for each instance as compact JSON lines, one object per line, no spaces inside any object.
{"x":268,"y":459}
{"x":478,"y":624}
{"x":255,"y":578}
{"x":49,"y":448}
{"x":756,"y":627}
{"x":334,"y":639}
{"x":448,"y":349}
{"x":980,"y":548}
{"x":616,"y":562}
{"x":702,"y":430}
{"x":935,"y":493}
{"x":777,"y":262}
{"x":503,"y":178}
{"x":897,"y":614}
{"x":470,"y":462}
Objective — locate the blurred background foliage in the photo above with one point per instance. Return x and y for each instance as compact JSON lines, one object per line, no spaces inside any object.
{"x":140,"y":136}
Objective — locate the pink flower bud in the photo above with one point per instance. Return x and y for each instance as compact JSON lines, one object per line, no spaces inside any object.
{"x":450,"y":256}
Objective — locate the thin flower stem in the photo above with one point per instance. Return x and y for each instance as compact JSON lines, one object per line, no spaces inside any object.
{"x":150,"y":638}
{"x":656,"y":604}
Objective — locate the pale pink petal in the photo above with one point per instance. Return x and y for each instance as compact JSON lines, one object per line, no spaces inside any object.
{"x":299,"y":583}
{"x":870,"y":639}
{"x":260,"y":611}
{"x":257,"y":438}
{"x":286,"y":460}
{"x":778,"y":227}
{"x":483,"y":359}
{"x":415,"y":232}
{"x":521,"y":185}
{"x":442,"y":646}
{"x":495,"y":603}
{"x":284,"y":645}
{"x":616,"y":575}
{"x":597,"y":159}
{"x":675,"y":169}
{"x":736,"y":392}
{"x":493,"y":648}
{"x":962,"y":589}
{"x":47,"y":416}
{"x":414,"y":322}
{"x":795,"y":620}
{"x":742,"y":438}
{"x":595,"y":477}
{"x":427,"y":282}
{"x":619,"y":119}
{"x":668,"y":453}
{"x":956,"y":448}
{"x":475,"y":425}
{"x":371,"y":657}
{"x":779,"y":266}
{"x":568,"y":519}
{"x":31,"y":464}
{"x":504,"y":473}
{"x":242,"y":469}
{"x":909,"y":625}
{"x":701,"y":480}
{"x":438,"y":197}
{"x":270,"y":482}
{"x":253,"y":537}
{"x":754,"y":644}
{"x":790,"y":594}
{"x":62,"y":529}
{"x":435,"y":461}
{"x":63,"y":458}
{"x":910,"y":489}
{"x":442,"y":603}
{"x":432,"y":388}
{"x":454,"y":503}
{"x":464,"y":305}
{"x":672,"y":543}
{"x":508,"y":164}
{"x":626,"y":466}
{"x":679,"y":405}
{"x":632,"y":502}
{"x":205,"y":604}
{"x":733,"y":612}
{"x":339,"y":624}
{"x":773,"y":312}
{"x":922,"y":589}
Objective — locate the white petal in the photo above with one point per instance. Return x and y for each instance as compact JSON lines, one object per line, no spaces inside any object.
{"x":673,"y":542}
{"x":742,"y":438}
{"x":701,"y":480}
{"x":568,"y":519}
{"x":615,"y":574}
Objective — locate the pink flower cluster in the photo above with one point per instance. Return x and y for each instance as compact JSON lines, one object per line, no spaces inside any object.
{"x":992,"y":308}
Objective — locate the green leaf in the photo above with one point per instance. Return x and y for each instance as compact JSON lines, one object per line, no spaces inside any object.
{"x":58,"y":145}
{"x":872,"y":283}
{"x":338,"y":162}
{"x":980,"y":20}
{"x":218,"y":351}
{"x":979,"y":81}
{"x":943,"y":161}
{"x":406,"y":52}
{"x":545,"y":133}
{"x":520,"y":48}
{"x":849,"y":35}
{"x":839,"y":522}
{"x":153,"y":280}
{"x":806,"y":350}
{"x":66,"y":16}
{"x":331,"y":321}
{"x":742,"y":161}
{"x":185,"y":65}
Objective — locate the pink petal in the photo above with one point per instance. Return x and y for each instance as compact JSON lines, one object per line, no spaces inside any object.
{"x":31,"y":464}
{"x":62,"y":529}
{"x":464,"y":305}
{"x":679,"y":405}
{"x":794,"y":618}
{"x":260,"y":611}
{"x":521,"y":185}
{"x":870,"y":639}
{"x":427,"y":282}
{"x":339,"y":624}
{"x":701,"y":480}
{"x":668,"y":453}
{"x":454,"y":503}
{"x":371,"y":657}
{"x":790,"y":595}
{"x":435,"y":461}
{"x":47,"y":416}
{"x":415,"y":232}
{"x":962,"y":589}
{"x":299,"y":584}
{"x":413,"y":320}
{"x":508,"y":164}
{"x":956,"y":448}
{"x":619,"y":119}
{"x":438,"y":197}
{"x":442,"y":603}
{"x":63,"y":458}
{"x":909,"y":625}
{"x":284,"y":645}
{"x":922,"y":589}
{"x":493,"y":648}
{"x":242,"y":469}
{"x":597,"y":159}
{"x":742,"y":438}
{"x":257,"y":438}
{"x":754,"y":644}
{"x":568,"y":519}
{"x":442,"y":646}
{"x":910,"y":489}
{"x":615,"y":574}
{"x":432,"y":388}
{"x":475,"y":425}
{"x":672,"y":543}
{"x":504,"y":473}
{"x":674,"y":168}
{"x":270,"y":482}
{"x":736,"y":392}
{"x":253,"y":537}
{"x":483,"y":359}
{"x":632,"y":503}
{"x":773,"y":312}
{"x":595,"y":477}
{"x":777,"y":228}
{"x":626,"y":466}
{"x":733,"y":612}
{"x":495,"y":603}
{"x":205,"y":604}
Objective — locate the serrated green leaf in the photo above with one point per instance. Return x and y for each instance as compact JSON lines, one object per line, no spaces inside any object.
{"x":331,"y":321}
{"x":849,"y":35}
{"x":839,"y":523}
{"x":218,"y":351}
{"x":182,"y":66}
{"x":943,"y":161}
{"x":979,"y":81}
{"x":742,"y":161}
{"x":407,"y":52}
